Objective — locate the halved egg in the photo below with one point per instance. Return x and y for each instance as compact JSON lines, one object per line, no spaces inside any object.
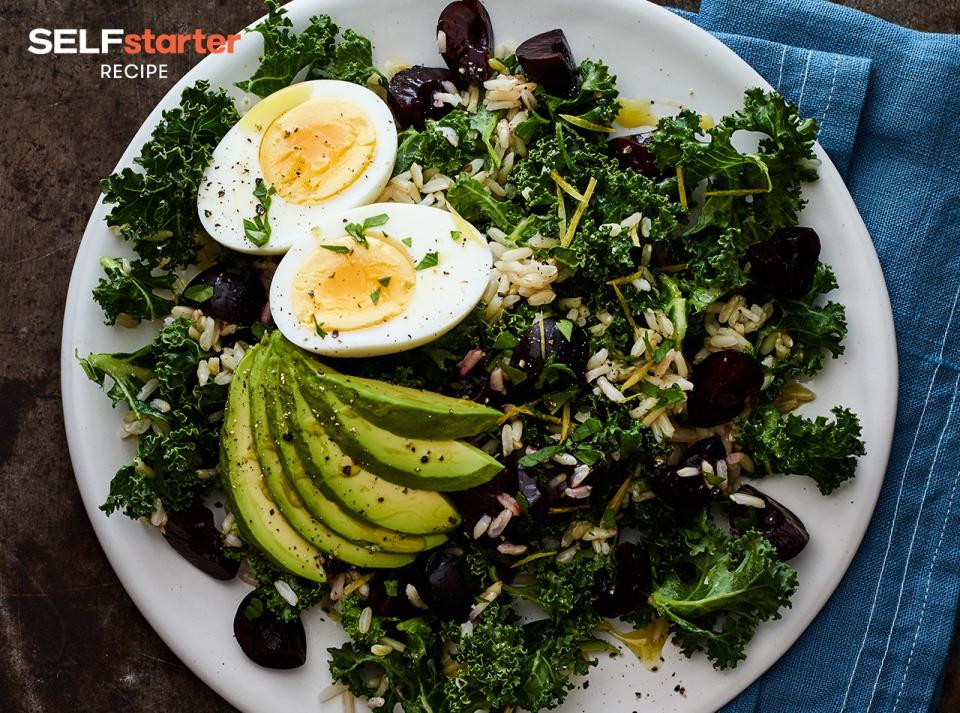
{"x":314,"y":148}
{"x":379,"y":279}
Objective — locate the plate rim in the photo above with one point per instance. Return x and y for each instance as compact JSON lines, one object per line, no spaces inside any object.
{"x":79,"y":290}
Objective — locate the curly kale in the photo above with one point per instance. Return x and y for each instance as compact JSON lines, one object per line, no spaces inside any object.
{"x":184,"y":432}
{"x":733,"y":590}
{"x":176,"y":356}
{"x":352,"y":61}
{"x":823,"y":450}
{"x":129,"y":373}
{"x":129,"y":292}
{"x":431,"y":146}
{"x":757,"y":192}
{"x":414,"y":679}
{"x":315,"y":50}
{"x":815,"y":330}
{"x":308,"y":593}
{"x":595,"y":101}
{"x":156,"y":208}
{"x":471,"y":200}
{"x":285,"y":53}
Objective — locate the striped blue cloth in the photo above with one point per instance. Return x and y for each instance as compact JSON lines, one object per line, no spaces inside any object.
{"x":888,"y":100}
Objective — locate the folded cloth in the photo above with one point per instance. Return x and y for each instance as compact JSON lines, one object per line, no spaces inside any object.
{"x":888,"y":99}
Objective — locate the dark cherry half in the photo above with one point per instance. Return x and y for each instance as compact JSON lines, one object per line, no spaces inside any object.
{"x":682,"y":492}
{"x":777,"y":523}
{"x":482,"y":500}
{"x":467,"y":40}
{"x":410,"y":94}
{"x":538,"y":345}
{"x":238,"y":296}
{"x":399,"y":605}
{"x":628,"y":588}
{"x":191,"y":532}
{"x":537,"y":492}
{"x":444,"y":586}
{"x":786,"y":262}
{"x":266,"y":639}
{"x":633,"y":152}
{"x":722,"y":383}
{"x":548,"y":60}
{"x":710,"y":449}
{"x":690,"y":492}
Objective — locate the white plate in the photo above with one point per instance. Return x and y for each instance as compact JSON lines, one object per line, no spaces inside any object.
{"x":654,"y":54}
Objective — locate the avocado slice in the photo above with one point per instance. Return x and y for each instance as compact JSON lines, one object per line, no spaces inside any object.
{"x":407,"y":412}
{"x":412,"y":462}
{"x":286,"y":498}
{"x":359,"y":491}
{"x":323,"y":508}
{"x":257,"y":515}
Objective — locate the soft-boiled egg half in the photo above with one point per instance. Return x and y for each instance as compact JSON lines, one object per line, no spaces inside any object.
{"x":319,"y":147}
{"x":379,"y":279}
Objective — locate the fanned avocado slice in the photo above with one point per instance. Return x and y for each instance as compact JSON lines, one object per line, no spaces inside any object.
{"x":407,"y":412}
{"x":376,"y":500}
{"x":323,"y":508}
{"x":286,"y":498}
{"x":412,"y":462}
{"x":257,"y":515}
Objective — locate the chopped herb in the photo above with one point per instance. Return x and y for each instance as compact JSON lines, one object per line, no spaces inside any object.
{"x":565,"y":327}
{"x":198,"y":293}
{"x":357,"y":230}
{"x":456,"y":234}
{"x":339,"y":249}
{"x":385,"y":281}
{"x":658,"y":355}
{"x":407,"y":241}
{"x":253,"y":610}
{"x":429,"y":260}
{"x":257,"y":230}
{"x":375,"y":295}
{"x":321,"y":332}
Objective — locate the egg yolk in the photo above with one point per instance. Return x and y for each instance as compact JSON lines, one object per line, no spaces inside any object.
{"x":317,"y":149}
{"x":345,"y":285}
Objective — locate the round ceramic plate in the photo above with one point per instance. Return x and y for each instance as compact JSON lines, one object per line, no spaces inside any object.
{"x":654,"y":54}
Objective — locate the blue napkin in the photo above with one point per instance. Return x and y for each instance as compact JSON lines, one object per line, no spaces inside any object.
{"x":888,"y":100}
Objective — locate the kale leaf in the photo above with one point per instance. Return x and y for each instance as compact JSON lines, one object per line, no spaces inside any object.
{"x":474,"y":202}
{"x":758,"y":192}
{"x":183,"y":436}
{"x":431,"y":146}
{"x":308,"y":593}
{"x":128,"y":372}
{"x":285,"y":53}
{"x":714,"y":266}
{"x":504,"y":663}
{"x":176,"y":356}
{"x":595,"y":100}
{"x":735,"y":588}
{"x":129,"y":291}
{"x":814,"y":330}
{"x":414,"y":681}
{"x":156,"y":209}
{"x":316,"y":50}
{"x":352,"y":61}
{"x":823,"y":450}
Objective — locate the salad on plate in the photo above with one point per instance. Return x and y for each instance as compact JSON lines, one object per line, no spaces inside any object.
{"x":485,"y":359}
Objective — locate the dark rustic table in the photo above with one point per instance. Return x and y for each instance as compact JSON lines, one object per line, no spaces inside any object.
{"x":70,"y":639}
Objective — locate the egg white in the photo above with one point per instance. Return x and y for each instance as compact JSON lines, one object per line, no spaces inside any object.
{"x":443,"y":295}
{"x":225,"y":197}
